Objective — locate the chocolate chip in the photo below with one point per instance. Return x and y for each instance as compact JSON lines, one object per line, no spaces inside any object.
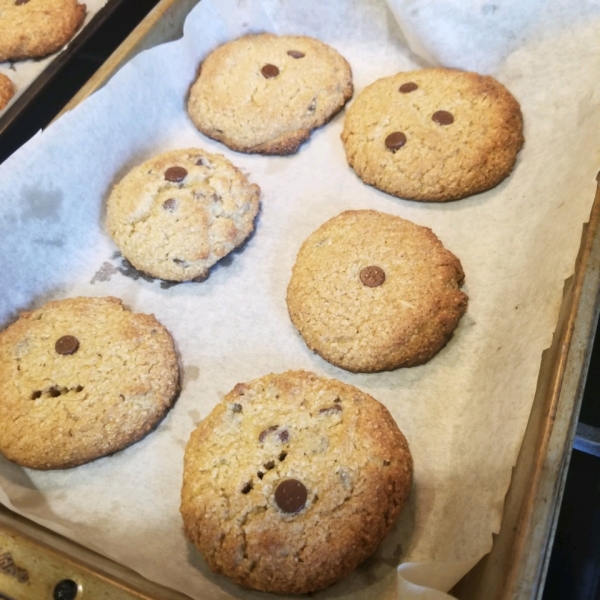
{"x":239,"y":389}
{"x":260,"y":474}
{"x":19,"y":2}
{"x":67,"y":344}
{"x":269,"y":465}
{"x":200,"y":162}
{"x":265,"y":432}
{"x":247,"y":487}
{"x":282,"y":456}
{"x":269,"y":71}
{"x":236,"y":408}
{"x":331,"y":409}
{"x":395,"y":141}
{"x":291,"y":495}
{"x":295,"y":53}
{"x":407,"y":88}
{"x":37,"y":394}
{"x":443,"y":117}
{"x":175,"y":174}
{"x":170,"y":204}
{"x":372,"y":276}
{"x":284,"y":436}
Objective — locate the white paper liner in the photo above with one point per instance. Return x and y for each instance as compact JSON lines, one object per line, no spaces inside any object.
{"x":464,"y":412}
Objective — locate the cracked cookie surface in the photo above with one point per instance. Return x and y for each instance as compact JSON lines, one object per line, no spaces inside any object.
{"x":82,"y":378}
{"x":36,"y":28}
{"x":265,"y":93}
{"x":292,"y":481}
{"x":434,"y":134}
{"x":371,"y":292}
{"x":177,"y":214}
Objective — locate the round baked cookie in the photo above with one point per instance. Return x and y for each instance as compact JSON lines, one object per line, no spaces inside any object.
{"x":292,"y":481}
{"x":434,"y":134}
{"x":7,"y":91}
{"x":175,"y":215}
{"x":371,"y":292}
{"x":36,"y":28}
{"x":265,"y":93}
{"x":82,"y":378}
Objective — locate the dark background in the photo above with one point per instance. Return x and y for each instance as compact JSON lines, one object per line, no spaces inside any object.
{"x":574,"y":570}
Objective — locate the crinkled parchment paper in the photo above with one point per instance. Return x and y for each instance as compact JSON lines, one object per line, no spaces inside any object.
{"x":464,"y":412}
{"x":23,"y":73}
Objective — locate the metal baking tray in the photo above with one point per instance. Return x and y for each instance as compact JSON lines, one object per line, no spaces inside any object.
{"x":11,"y":115}
{"x":515,"y":568}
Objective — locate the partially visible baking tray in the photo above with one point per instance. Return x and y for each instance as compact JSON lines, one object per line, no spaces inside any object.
{"x":62,"y":59}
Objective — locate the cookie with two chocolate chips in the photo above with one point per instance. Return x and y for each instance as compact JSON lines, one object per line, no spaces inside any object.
{"x":433,"y":135}
{"x":177,"y":214}
{"x":36,"y":28}
{"x":265,"y":93}
{"x":82,"y":378}
{"x":371,"y":292}
{"x":292,"y":481}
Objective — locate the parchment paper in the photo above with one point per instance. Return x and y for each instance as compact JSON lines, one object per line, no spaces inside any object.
{"x":23,"y":73}
{"x":464,"y":412}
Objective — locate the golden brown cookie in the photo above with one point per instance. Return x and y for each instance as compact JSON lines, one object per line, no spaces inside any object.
{"x":36,"y":28}
{"x":371,"y":292}
{"x":292,"y":481}
{"x":7,"y":91}
{"x":82,"y":378}
{"x":265,"y":93}
{"x":177,"y":214}
{"x":433,"y":135}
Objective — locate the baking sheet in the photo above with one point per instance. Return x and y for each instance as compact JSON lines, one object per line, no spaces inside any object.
{"x":23,"y":73}
{"x":464,"y":413}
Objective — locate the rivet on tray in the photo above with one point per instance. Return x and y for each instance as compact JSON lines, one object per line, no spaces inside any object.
{"x":66,"y":589}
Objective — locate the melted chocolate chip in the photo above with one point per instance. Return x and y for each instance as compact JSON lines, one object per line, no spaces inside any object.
{"x":265,"y":432}
{"x":295,"y":53}
{"x":67,"y":344}
{"x":175,"y":174}
{"x":170,"y":204}
{"x":331,"y":409}
{"x":372,"y":276}
{"x":269,"y":71}
{"x":395,"y":141}
{"x":291,"y":495}
{"x":442,"y":117}
{"x":407,"y":88}
{"x":19,"y":2}
{"x":239,"y":389}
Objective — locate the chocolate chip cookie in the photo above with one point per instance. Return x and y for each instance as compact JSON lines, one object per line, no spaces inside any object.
{"x":36,"y":28}
{"x":265,"y":93}
{"x":433,"y":135}
{"x":371,"y":292}
{"x":82,"y":378}
{"x":7,"y":91}
{"x":177,"y":214}
{"x":292,"y":481}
